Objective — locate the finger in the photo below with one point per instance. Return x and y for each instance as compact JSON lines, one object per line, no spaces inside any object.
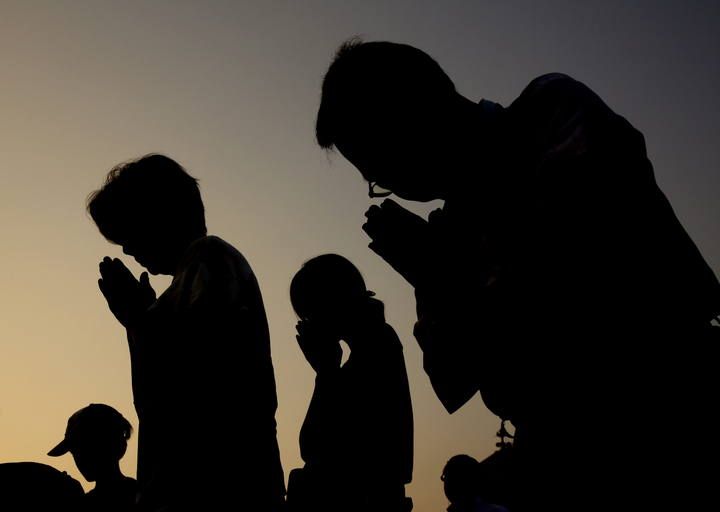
{"x":372,"y":211}
{"x":373,"y":227}
{"x":366,"y":227}
{"x":105,"y":290}
{"x":103,"y":265}
{"x":123,"y":272}
{"x":107,"y":273}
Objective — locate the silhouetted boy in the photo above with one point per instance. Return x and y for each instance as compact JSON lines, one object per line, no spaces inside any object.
{"x":203,"y":380}
{"x":357,"y":438}
{"x":556,"y":279}
{"x":463,"y":484}
{"x":96,"y":436}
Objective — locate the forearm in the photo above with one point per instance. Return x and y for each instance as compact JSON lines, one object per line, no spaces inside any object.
{"x":317,"y":430}
{"x":465,"y":342}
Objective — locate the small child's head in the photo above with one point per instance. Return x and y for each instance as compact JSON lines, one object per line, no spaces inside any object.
{"x":96,"y":436}
{"x":328,"y":289}
{"x":461,"y":478}
{"x":152,"y":208}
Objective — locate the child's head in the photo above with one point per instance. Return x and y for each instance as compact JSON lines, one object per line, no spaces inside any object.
{"x":96,"y":436}
{"x":461,"y":478}
{"x":152,"y":208}
{"x":329,"y":289}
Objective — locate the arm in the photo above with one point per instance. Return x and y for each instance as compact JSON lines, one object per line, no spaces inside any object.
{"x":319,"y":432}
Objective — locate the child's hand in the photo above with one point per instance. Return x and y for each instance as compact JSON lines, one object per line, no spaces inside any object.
{"x":321,"y":350}
{"x":126,"y":296}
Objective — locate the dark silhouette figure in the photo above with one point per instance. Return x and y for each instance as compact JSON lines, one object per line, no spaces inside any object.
{"x":202,"y":373}
{"x":96,"y":436}
{"x":466,"y":486}
{"x":357,"y":438}
{"x":35,"y":487}
{"x":556,"y":280}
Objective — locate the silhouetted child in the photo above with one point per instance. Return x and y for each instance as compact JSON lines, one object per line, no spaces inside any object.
{"x":202,"y":373}
{"x":96,"y":436}
{"x":357,"y":438}
{"x":464,"y":487}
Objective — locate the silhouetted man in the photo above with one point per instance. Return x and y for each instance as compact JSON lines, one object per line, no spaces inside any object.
{"x":97,"y":436}
{"x":357,"y":438}
{"x":202,"y":373}
{"x":556,"y":279}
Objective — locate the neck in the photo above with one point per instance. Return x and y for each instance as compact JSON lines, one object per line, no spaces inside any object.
{"x":477,"y":125}
{"x":182,"y":249}
{"x":109,"y":476}
{"x":472,"y":128}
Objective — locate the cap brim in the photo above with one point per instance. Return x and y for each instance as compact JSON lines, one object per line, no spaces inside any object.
{"x":61,"y":449}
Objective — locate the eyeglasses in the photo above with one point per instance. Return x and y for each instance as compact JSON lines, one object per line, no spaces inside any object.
{"x":374,"y":190}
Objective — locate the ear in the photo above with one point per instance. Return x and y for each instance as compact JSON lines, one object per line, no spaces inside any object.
{"x":120,"y":448}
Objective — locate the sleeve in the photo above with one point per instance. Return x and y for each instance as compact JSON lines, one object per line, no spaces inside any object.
{"x":318,"y":435}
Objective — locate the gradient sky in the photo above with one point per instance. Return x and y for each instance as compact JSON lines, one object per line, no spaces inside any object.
{"x":230,"y":89}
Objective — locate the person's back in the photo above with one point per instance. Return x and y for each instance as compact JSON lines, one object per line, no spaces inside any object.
{"x":357,"y":438}
{"x":228,"y":404}
{"x":203,"y":380}
{"x":593,"y":267}
{"x":36,"y":487}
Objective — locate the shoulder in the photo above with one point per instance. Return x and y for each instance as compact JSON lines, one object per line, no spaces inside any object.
{"x":212,"y":246}
{"x":553,"y":91}
{"x":552,"y":83}
{"x":215,"y":253}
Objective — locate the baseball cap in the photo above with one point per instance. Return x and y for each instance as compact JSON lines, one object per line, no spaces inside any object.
{"x":92,"y":424}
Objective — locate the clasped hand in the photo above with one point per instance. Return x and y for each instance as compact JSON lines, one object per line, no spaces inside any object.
{"x":126,"y":296}
{"x":402,"y":238}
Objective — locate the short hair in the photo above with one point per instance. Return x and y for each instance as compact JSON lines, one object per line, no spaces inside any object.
{"x":151,"y":185}
{"x":377,"y":76}
{"x":324,"y":279}
{"x":462,"y":472}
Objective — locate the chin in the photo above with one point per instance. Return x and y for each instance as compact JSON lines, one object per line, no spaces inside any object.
{"x":150,"y":267}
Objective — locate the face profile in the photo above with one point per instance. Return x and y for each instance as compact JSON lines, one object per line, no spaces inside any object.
{"x":152,"y":208}
{"x":96,"y":436}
